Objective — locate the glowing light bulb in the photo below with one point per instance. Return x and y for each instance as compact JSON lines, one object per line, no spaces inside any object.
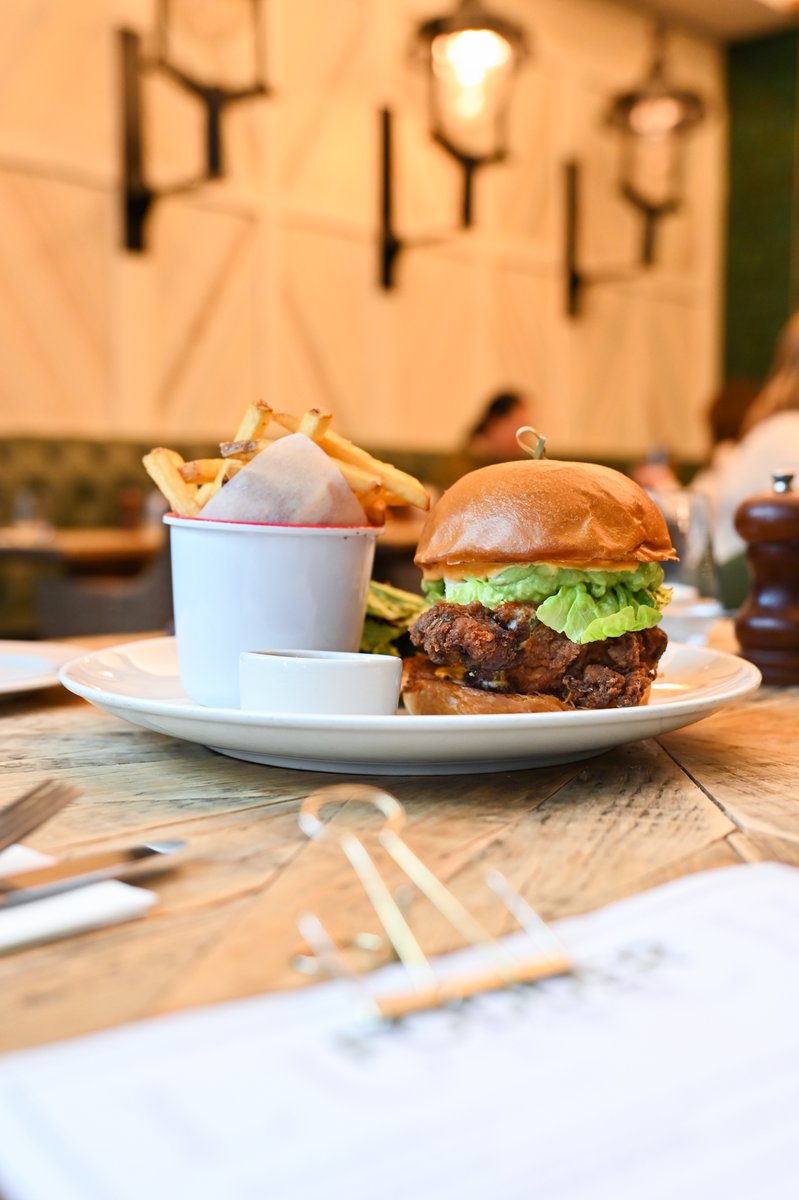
{"x":469,"y":65}
{"x":655,"y":117}
{"x":470,"y":55}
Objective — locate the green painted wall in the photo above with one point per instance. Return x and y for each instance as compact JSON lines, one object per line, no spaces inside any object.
{"x":763,"y":225}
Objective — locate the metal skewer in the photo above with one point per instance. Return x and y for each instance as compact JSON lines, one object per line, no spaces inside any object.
{"x":531,"y":441}
{"x":429,"y":991}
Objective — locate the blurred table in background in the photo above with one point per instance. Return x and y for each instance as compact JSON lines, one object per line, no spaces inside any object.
{"x":106,"y":550}
{"x":96,"y":549}
{"x":63,"y":582}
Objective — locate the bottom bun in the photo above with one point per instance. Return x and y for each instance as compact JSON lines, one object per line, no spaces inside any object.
{"x":426,"y":694}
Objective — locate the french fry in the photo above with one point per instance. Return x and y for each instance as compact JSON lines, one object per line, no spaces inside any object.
{"x":288,"y":421}
{"x":254,"y":422}
{"x":205,"y":491}
{"x":163,"y":467}
{"x":188,"y":486}
{"x":202,"y":470}
{"x":361,"y":482}
{"x":229,"y":467}
{"x":244,"y":450}
{"x":314,"y":423}
{"x":392,"y":500}
{"x":400,"y":484}
{"x":376,"y":511}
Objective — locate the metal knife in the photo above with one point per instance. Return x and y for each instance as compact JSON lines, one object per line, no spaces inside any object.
{"x":70,"y":873}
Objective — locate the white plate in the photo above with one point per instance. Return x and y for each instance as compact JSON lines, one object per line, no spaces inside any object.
{"x":139,"y":682}
{"x":26,"y":666}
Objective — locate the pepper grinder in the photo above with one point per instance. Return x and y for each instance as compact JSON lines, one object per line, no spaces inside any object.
{"x":767,"y":625}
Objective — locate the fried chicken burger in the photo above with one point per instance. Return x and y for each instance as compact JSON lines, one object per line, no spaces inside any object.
{"x":546,"y":584}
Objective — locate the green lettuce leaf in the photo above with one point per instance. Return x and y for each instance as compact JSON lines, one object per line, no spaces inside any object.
{"x":587,"y":618}
{"x":389,"y":613}
{"x":588,"y":606}
{"x":530,"y":583}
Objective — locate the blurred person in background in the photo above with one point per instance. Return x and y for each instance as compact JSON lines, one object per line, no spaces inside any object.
{"x":493,"y":436}
{"x":769,"y":441}
{"x":656,"y":474}
{"x":491,"y":439}
{"x":725,"y":418}
{"x":699,"y":531}
{"x":728,"y":411}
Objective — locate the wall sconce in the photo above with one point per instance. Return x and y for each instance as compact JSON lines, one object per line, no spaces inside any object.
{"x":470,"y":58}
{"x":652,"y":121}
{"x":138,"y":195}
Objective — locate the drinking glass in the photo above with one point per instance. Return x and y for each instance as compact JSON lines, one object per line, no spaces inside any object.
{"x":688,"y":520}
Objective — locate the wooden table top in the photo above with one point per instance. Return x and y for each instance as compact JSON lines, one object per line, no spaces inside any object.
{"x":569,"y":838}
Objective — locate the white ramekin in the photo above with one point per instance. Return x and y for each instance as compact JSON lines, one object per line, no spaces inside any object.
{"x":319,"y":681}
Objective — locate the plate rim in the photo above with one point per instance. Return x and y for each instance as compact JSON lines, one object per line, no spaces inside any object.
{"x":58,"y":655}
{"x":749,"y":682}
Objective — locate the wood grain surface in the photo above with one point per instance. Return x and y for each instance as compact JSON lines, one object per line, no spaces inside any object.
{"x":569,"y":838}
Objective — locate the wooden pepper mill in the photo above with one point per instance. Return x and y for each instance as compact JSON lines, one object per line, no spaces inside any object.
{"x":767,"y":625}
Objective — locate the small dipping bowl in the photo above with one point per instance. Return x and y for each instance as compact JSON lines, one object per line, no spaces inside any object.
{"x":319,"y":681}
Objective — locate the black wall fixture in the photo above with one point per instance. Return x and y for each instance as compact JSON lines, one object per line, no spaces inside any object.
{"x":652,"y":121}
{"x":138,"y":194}
{"x":470,"y":58}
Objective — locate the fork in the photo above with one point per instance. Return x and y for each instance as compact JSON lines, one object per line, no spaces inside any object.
{"x":32,"y":809}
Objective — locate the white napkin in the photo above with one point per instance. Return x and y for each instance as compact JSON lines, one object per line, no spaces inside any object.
{"x":70,"y":912}
{"x":292,"y":482}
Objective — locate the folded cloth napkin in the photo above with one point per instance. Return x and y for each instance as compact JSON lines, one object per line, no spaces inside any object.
{"x":70,"y":912}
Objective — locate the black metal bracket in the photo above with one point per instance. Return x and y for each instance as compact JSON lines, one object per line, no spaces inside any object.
{"x":138,"y":196}
{"x":651,"y":214}
{"x":391,"y":244}
{"x":577,"y":280}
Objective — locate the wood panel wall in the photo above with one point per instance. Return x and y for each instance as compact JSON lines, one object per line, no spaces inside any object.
{"x":265,"y":284}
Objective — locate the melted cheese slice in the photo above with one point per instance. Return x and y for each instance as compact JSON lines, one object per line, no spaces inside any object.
{"x":484,"y":570}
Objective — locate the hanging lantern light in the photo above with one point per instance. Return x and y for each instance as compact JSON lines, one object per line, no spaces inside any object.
{"x":471,"y":57}
{"x":653,"y":120}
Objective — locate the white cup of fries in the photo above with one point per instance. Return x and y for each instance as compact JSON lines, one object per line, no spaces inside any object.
{"x":272,"y":544}
{"x":239,"y":587}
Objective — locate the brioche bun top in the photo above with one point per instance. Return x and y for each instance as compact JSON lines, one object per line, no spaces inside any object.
{"x":543,"y":510}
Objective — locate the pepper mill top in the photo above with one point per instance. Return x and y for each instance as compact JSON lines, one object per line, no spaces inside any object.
{"x":767,"y":625}
{"x":770,"y":516}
